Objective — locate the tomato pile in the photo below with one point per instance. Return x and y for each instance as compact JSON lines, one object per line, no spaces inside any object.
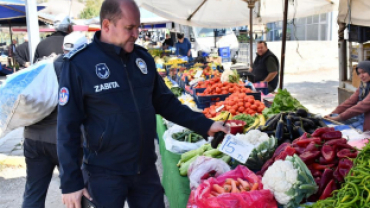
{"x":236,"y":103}
{"x":216,"y":87}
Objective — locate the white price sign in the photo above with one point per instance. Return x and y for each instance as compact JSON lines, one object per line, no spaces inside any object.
{"x":198,"y":74}
{"x":235,"y":148}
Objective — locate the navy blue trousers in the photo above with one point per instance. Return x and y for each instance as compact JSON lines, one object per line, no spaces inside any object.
{"x":111,"y":191}
{"x":41,"y":159}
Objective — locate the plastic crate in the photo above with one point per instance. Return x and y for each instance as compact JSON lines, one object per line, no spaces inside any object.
{"x":226,"y":59}
{"x":224,"y":52}
{"x":264,"y":90}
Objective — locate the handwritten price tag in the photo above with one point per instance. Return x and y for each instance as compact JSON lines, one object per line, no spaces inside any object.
{"x":235,"y":148}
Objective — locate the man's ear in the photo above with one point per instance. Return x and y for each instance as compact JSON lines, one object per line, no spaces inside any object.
{"x":105,"y":25}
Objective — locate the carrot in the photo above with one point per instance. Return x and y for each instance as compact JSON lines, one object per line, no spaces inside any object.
{"x":245,"y":184}
{"x":218,"y":189}
{"x":228,"y":181}
{"x":240,"y":187}
{"x":227,"y":188}
{"x":234,"y":189}
{"x":254,"y":187}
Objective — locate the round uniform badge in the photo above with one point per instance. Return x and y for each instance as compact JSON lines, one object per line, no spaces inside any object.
{"x":102,"y":71}
{"x":63,"y":96}
{"x":142,"y":65}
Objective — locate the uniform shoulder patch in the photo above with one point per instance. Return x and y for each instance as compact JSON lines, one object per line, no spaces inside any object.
{"x":75,"y":51}
{"x":141,"y":47}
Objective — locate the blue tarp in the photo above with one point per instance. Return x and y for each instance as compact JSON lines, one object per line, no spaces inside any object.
{"x":10,"y":9}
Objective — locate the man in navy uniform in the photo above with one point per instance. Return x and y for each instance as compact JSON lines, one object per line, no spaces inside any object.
{"x":111,"y":87}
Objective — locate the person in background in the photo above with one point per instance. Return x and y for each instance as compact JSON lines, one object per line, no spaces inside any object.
{"x":355,"y":111}
{"x":12,"y":47}
{"x":40,"y":141}
{"x":183,"y":46}
{"x":11,"y":51}
{"x":53,"y":43}
{"x":266,"y":66}
{"x":168,"y":42}
{"x":22,"y":54}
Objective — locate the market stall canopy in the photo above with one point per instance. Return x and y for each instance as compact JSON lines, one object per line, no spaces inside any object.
{"x":232,"y":13}
{"x":146,"y":18}
{"x":354,"y":12}
{"x":11,"y":9}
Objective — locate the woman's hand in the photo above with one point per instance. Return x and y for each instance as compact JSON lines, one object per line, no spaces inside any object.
{"x":336,"y":118}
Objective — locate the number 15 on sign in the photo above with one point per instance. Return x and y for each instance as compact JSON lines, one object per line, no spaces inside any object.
{"x":235,"y":148}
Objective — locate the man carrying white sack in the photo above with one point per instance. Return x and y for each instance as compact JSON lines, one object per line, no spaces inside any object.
{"x":40,"y":141}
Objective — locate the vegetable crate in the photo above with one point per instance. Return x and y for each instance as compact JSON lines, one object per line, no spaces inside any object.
{"x":206,"y":101}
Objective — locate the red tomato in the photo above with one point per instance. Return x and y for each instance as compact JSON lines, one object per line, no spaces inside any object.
{"x":247,"y":105}
{"x":241,"y":109}
{"x":253,"y":107}
{"x":232,"y":111}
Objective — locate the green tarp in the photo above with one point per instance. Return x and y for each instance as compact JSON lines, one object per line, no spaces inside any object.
{"x":176,"y":187}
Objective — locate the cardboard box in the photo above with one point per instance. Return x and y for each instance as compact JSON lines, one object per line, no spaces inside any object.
{"x":214,"y":59}
{"x":356,"y":81}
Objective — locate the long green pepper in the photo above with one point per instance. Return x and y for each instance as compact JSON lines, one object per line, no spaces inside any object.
{"x":355,"y":191}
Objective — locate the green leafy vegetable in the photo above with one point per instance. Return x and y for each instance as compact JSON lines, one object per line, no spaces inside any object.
{"x":248,"y":119}
{"x":283,"y":102}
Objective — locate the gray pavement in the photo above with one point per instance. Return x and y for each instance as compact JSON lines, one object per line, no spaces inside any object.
{"x":317,"y":90}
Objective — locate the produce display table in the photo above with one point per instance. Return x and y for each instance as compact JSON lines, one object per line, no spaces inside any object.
{"x":176,"y":187}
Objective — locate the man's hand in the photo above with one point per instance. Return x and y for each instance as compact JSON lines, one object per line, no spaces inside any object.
{"x":73,"y":200}
{"x":27,"y":64}
{"x":250,"y":69}
{"x":216,"y":127}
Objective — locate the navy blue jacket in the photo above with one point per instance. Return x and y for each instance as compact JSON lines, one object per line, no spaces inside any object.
{"x":117,"y":107}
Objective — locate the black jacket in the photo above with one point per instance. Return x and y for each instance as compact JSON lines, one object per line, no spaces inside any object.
{"x":116,"y":96}
{"x":260,"y":69}
{"x":51,"y":44}
{"x":46,"y":129}
{"x":22,"y":54}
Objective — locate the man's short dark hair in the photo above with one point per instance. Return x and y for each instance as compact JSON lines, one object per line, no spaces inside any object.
{"x":180,"y":35}
{"x":264,"y":42}
{"x":111,"y":10}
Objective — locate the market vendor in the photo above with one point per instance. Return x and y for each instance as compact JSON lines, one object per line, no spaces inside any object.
{"x":266,"y":66}
{"x":168,"y":42}
{"x":183,"y":46}
{"x":355,"y":111}
{"x":112,"y":87}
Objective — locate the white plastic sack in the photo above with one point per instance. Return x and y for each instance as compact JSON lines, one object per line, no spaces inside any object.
{"x":179,"y":147}
{"x":28,"y":96}
{"x":204,"y":165}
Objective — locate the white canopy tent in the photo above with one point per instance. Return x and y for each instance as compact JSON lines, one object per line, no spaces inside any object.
{"x":354,"y":12}
{"x":232,"y":13}
{"x":235,"y":13}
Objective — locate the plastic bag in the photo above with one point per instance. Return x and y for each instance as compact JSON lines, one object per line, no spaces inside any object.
{"x":179,"y":147}
{"x":28,"y":96}
{"x":202,"y":166}
{"x":202,"y":198}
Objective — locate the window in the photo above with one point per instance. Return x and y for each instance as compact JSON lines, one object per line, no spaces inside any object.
{"x":315,"y":19}
{"x":323,"y":32}
{"x":313,"y":32}
{"x":310,"y":28}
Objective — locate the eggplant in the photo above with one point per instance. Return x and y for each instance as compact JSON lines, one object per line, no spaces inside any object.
{"x":272,"y":124}
{"x":302,"y":112}
{"x":297,"y":123}
{"x":300,"y":130}
{"x":289,"y":125}
{"x":280,"y":129}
